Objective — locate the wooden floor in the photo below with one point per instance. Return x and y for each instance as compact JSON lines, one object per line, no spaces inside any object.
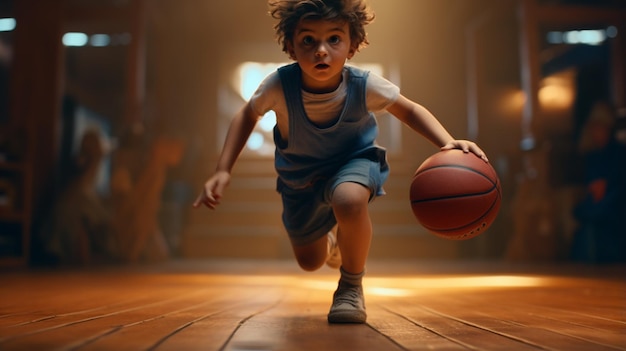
{"x":274,"y":306}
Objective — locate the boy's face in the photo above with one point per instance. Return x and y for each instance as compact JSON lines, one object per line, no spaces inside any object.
{"x":321,"y":49}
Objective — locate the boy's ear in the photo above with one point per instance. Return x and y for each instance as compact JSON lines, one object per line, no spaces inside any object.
{"x":351,"y":52}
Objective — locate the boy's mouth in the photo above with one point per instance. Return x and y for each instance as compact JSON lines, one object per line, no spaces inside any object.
{"x":321,"y":66}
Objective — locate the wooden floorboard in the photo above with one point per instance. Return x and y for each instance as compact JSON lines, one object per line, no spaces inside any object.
{"x":467,"y":334}
{"x":409,"y":333}
{"x":521,"y":331}
{"x":247,"y":305}
{"x":300,"y":319}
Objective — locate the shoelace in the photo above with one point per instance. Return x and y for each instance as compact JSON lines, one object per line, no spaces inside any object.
{"x":348,"y":294}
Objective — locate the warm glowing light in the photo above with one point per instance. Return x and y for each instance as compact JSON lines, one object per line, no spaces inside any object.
{"x":478,"y":282}
{"x":518,"y":99}
{"x":394,"y":292}
{"x":511,"y":101}
{"x":412,"y":285}
{"x":321,"y":284}
{"x":556,"y":92}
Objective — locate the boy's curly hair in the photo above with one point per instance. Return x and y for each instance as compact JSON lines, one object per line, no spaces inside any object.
{"x":289,"y":12}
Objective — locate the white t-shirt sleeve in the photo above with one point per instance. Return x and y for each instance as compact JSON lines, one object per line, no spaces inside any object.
{"x":380,"y":93}
{"x":267,"y":95}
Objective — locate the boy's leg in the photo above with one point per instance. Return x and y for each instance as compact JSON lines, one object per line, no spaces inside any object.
{"x":350,"y":205}
{"x":312,"y":256}
{"x":307,"y":217}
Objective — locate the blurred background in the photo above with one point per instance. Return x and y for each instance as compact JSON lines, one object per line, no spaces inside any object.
{"x":113,"y":113}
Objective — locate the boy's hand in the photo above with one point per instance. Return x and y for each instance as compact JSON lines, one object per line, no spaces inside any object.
{"x":213,"y":190}
{"x":466,"y":146}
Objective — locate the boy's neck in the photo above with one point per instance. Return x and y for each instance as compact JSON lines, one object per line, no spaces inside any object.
{"x":322,"y":88}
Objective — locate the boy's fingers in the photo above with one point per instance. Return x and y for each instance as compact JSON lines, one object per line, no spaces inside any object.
{"x":198,"y":200}
{"x":203,"y":199}
{"x":478,"y":151}
{"x":467,"y":147}
{"x":217,"y":192}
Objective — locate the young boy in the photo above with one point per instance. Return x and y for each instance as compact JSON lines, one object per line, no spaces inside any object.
{"x":329,"y":166}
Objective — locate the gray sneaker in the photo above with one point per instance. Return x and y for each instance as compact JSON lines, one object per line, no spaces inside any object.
{"x":348,"y":305}
{"x":334,"y":255}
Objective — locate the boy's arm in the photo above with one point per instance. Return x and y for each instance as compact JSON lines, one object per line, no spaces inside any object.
{"x":238,"y":133}
{"x":418,"y":118}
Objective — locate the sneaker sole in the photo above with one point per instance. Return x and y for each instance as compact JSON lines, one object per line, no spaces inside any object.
{"x":347,"y":317}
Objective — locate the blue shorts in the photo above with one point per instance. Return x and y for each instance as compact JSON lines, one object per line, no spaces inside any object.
{"x":307,"y":213}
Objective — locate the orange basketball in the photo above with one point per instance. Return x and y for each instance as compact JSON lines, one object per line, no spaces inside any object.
{"x":455,"y":195}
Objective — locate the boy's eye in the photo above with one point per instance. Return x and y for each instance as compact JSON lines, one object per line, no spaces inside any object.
{"x":334,"y":39}
{"x":308,"y":40}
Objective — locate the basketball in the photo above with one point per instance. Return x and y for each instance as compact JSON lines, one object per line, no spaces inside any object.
{"x":455,"y":195}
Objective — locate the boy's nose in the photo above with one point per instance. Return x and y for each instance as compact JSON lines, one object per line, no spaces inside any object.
{"x":321,"y":51}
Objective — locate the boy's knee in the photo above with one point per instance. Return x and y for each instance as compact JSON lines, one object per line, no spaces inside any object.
{"x":309,"y":264}
{"x":311,"y":257}
{"x":350,"y":198}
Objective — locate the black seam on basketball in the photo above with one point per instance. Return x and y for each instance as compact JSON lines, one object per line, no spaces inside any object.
{"x":489,"y":178}
{"x":456,"y":196}
{"x":480,"y":218}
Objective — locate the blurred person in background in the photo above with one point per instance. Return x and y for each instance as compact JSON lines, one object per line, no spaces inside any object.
{"x":601,"y":214}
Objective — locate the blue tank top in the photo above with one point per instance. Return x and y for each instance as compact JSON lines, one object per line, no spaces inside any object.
{"x":314,"y":153}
